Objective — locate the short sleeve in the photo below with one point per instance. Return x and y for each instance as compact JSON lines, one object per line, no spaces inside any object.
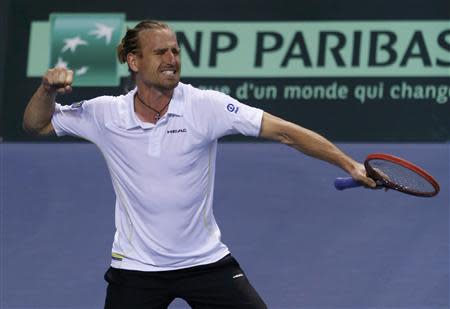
{"x":82,"y":119}
{"x":225,"y":116}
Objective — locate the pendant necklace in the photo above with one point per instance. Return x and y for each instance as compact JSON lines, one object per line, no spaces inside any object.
{"x":158,"y":112}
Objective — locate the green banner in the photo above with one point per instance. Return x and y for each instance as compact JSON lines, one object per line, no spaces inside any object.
{"x":85,"y":43}
{"x":279,"y":49}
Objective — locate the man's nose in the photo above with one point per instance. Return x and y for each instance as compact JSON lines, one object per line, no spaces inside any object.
{"x":170,"y":57}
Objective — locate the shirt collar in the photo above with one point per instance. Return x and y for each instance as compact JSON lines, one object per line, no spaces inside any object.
{"x":176,"y":107}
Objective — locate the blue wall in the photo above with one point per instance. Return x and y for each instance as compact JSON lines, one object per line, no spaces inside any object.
{"x":302,"y":243}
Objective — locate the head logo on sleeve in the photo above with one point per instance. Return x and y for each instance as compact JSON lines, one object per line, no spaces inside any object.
{"x":232,"y":109}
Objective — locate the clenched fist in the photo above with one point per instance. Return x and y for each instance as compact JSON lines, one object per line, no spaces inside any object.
{"x":58,"y":80}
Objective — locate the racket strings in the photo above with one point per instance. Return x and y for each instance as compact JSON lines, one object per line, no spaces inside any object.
{"x":402,"y":177}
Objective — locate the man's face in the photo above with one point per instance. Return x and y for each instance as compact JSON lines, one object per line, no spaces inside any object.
{"x":158,"y":64}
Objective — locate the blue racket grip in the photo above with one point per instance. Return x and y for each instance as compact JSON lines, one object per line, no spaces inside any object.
{"x":342,"y":183}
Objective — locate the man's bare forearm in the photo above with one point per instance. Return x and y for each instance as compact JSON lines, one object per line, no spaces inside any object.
{"x":315,"y":145}
{"x":39,"y":110}
{"x":312,"y":144}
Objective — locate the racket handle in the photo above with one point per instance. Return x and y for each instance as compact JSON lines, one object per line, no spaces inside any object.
{"x":342,"y":183}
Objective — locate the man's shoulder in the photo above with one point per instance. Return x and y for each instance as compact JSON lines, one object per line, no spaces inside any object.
{"x":187,"y":90}
{"x":105,"y":107}
{"x":105,"y":99}
{"x":110,"y":102}
{"x":197,"y":95}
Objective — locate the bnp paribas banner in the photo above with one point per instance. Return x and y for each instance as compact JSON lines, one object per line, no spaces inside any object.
{"x":87,"y":42}
{"x":327,"y":75}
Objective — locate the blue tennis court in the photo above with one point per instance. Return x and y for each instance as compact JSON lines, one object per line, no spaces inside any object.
{"x":302,"y":243}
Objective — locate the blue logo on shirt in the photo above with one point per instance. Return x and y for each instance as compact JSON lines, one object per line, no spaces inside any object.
{"x":231,"y":108}
{"x":77,"y":105}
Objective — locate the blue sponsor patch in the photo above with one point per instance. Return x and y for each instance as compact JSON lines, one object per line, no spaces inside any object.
{"x":77,"y":105}
{"x":232,"y":109}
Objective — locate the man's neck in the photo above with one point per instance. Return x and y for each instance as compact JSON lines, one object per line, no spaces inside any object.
{"x":151,"y":103}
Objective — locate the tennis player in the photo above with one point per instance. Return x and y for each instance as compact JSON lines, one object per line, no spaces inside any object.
{"x":160,"y":141}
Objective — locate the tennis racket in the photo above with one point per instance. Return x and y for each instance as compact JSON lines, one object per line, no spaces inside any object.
{"x":394,"y":173}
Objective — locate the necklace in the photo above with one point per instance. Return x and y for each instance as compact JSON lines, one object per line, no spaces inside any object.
{"x":158,"y":112}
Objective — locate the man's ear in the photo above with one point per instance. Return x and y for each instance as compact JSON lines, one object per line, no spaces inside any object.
{"x":132,"y":60}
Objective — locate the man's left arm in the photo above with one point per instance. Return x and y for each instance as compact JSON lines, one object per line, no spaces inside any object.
{"x":311,"y":144}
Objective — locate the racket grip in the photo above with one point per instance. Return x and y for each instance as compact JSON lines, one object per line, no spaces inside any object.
{"x":342,"y":183}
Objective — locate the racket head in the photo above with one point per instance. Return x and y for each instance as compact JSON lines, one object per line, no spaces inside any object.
{"x":401,"y":175}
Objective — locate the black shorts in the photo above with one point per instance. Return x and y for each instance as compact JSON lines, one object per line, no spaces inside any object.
{"x":222,"y":284}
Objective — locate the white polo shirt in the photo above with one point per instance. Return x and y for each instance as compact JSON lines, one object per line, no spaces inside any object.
{"x":162,"y":174}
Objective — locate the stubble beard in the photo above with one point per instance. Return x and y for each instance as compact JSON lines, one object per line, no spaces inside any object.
{"x":167,"y":86}
{"x":162,"y":86}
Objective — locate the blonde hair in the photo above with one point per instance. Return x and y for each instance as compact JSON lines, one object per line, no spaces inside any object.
{"x":130,"y":42}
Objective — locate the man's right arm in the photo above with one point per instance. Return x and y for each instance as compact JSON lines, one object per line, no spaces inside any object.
{"x":40,"y":108}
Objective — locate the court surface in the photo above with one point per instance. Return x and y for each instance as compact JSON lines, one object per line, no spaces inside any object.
{"x":302,"y":243}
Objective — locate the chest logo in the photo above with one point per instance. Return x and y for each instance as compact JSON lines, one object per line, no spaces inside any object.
{"x":176,"y":131}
